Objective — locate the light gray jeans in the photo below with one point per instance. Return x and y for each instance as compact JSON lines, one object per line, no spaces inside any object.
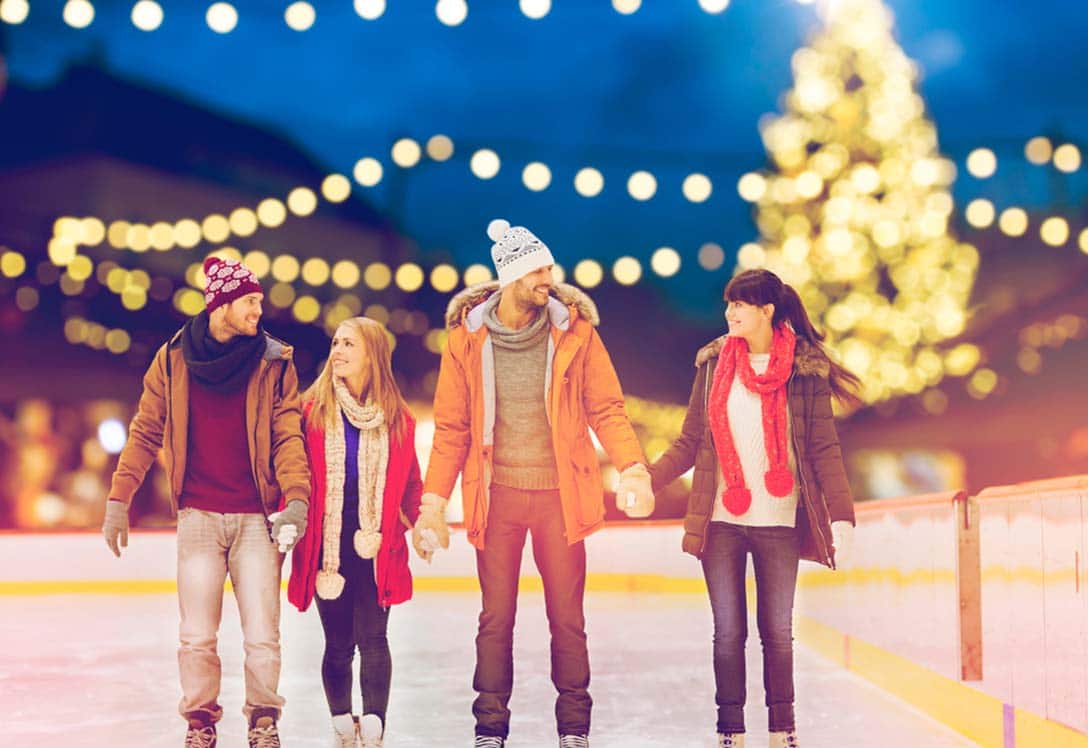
{"x":210,"y":546}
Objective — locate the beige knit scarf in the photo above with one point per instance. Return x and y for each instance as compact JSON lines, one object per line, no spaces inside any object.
{"x":373,"y":459}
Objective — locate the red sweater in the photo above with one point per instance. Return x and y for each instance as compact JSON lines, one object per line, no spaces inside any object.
{"x":403,"y":490}
{"x":218,"y":474}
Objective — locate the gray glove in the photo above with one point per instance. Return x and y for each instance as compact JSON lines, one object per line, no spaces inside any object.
{"x":115,"y":526}
{"x":290,"y":524}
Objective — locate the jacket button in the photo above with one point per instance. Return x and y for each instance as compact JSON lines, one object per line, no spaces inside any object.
{"x":585,"y":470}
{"x":566,"y":380}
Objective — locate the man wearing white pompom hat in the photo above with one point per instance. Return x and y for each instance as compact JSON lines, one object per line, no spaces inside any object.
{"x":524,"y":376}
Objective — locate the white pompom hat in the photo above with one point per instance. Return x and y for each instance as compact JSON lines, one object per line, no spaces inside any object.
{"x":516,"y":251}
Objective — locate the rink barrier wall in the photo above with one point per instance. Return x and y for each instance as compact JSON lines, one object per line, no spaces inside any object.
{"x":972,"y":609}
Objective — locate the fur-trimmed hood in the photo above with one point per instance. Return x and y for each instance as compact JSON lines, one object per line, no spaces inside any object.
{"x":808,"y":360}
{"x":562,"y":294}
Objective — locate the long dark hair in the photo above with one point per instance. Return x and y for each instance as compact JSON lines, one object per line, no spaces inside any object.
{"x":759,"y":287}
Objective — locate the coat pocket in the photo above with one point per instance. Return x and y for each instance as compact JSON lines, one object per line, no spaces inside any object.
{"x":589,"y":501}
{"x":472,"y":505}
{"x":398,"y":577}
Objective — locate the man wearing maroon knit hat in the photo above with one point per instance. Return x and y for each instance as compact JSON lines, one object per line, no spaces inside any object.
{"x":221,"y":400}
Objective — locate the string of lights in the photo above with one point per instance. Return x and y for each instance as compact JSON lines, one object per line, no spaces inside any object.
{"x":272,"y":212}
{"x":859,"y":224}
{"x":223,"y":17}
{"x":135,"y":286}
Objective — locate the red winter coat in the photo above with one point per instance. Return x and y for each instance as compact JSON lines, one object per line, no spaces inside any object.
{"x":403,"y":489}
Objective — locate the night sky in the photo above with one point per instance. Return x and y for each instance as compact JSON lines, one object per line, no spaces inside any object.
{"x":671,"y":89}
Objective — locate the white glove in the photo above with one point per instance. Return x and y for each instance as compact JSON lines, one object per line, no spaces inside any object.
{"x":842,"y":537}
{"x":634,"y":495}
{"x":287,"y":536}
{"x":425,"y":541}
{"x":432,"y":516}
{"x":431,"y":531}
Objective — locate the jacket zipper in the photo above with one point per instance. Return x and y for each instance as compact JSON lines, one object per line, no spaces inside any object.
{"x":804,"y":485}
{"x":257,"y":419}
{"x":169,"y":448}
{"x":707,"y":434}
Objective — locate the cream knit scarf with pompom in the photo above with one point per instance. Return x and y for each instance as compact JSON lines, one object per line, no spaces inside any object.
{"x":373,"y":459}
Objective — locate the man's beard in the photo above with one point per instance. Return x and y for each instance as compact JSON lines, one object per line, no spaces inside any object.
{"x":528,"y":302}
{"x":242,"y":328}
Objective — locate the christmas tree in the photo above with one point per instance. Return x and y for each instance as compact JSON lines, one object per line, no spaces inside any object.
{"x":854,"y":210}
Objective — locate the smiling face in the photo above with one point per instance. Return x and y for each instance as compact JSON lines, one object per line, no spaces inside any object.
{"x":241,"y":316}
{"x":347,"y":355}
{"x":748,"y":321}
{"x":531,"y":290}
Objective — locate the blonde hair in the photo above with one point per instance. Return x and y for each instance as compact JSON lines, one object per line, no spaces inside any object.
{"x":381,"y":386}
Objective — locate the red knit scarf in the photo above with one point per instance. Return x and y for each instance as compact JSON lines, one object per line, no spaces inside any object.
{"x":771,"y":386}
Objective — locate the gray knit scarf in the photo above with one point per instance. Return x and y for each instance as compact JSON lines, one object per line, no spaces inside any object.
{"x":513,"y":340}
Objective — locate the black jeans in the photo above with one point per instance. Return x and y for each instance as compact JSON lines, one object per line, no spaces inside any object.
{"x":775,"y":555}
{"x":513,"y":513}
{"x":355,"y":620}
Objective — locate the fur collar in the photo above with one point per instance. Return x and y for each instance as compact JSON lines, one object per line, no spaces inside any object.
{"x":470,"y":298}
{"x":808,"y":360}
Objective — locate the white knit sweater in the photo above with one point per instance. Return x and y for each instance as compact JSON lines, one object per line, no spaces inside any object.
{"x":746,"y":426}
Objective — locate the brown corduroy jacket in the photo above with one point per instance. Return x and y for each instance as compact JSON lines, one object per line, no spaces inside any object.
{"x":825,"y":493}
{"x":277,"y":452}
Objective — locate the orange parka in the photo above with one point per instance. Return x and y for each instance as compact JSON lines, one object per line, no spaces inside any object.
{"x":583,"y":392}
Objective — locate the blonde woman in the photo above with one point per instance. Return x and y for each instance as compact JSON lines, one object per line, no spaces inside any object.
{"x":365,"y":492}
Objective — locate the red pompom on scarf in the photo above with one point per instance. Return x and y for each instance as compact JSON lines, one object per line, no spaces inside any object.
{"x":771,"y":388}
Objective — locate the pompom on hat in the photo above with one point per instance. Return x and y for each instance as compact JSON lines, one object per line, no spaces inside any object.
{"x":226,"y":280}
{"x":516,"y":251}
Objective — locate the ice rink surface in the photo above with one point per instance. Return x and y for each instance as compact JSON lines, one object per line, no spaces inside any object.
{"x":100,"y":670}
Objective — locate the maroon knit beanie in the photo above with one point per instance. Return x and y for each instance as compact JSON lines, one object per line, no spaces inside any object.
{"x":227,"y":280}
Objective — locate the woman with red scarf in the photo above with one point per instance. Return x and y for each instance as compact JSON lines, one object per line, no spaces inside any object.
{"x":769,"y":481}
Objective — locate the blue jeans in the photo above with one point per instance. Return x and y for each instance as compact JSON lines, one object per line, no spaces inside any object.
{"x":514,"y":513}
{"x":775,"y":555}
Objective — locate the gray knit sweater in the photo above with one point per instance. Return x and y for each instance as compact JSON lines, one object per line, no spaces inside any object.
{"x":524,"y":457}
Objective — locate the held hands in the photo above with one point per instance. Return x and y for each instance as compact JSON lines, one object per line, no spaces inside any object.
{"x":634,"y":496}
{"x":431,"y":531}
{"x":425,"y":541}
{"x":289,"y":525}
{"x":115,"y":526}
{"x":842,"y":537}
